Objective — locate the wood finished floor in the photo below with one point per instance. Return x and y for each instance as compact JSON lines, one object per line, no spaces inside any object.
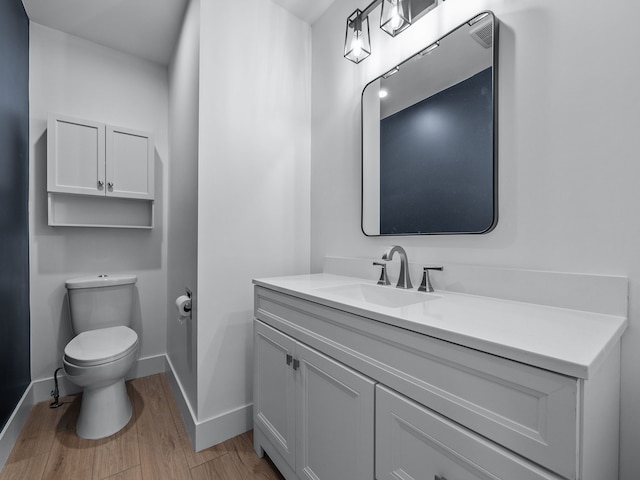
{"x":153,"y":446}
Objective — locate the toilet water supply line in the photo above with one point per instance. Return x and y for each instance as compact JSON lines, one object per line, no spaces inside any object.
{"x":55,"y":393}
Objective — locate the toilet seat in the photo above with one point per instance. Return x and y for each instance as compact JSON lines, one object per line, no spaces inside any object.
{"x":104,"y":345}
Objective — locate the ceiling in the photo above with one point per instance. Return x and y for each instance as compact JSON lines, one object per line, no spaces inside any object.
{"x":307,"y":10}
{"x":144,"y":28}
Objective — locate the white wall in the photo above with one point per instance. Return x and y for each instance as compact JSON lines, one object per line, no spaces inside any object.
{"x":182,"y":196}
{"x":75,"y":77}
{"x":253,"y":182}
{"x":568,"y":143}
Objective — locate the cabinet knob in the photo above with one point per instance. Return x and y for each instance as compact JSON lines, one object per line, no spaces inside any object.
{"x":110,"y":184}
{"x":100,"y":183}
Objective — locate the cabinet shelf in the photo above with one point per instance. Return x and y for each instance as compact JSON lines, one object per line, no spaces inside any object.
{"x":71,"y":210}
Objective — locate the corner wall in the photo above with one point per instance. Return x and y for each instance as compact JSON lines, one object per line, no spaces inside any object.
{"x":182,"y":244}
{"x":568,"y":143}
{"x":253,"y":187}
{"x":14,"y":213}
{"x":79,"y":78}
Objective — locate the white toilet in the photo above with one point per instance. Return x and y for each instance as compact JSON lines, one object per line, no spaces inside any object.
{"x":102,"y":352}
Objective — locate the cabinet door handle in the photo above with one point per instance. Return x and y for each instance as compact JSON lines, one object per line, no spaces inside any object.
{"x":289,"y":358}
{"x":100,"y":183}
{"x":296,"y":365}
{"x":110,"y":184}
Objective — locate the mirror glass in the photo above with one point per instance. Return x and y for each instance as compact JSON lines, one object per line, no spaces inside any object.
{"x":429,"y":138}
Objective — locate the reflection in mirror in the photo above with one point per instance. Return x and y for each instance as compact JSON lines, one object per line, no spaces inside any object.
{"x":428,"y":138}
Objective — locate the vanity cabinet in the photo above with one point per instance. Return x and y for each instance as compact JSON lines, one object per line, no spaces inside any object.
{"x":316,"y":413}
{"x":92,"y":158}
{"x":442,"y":410}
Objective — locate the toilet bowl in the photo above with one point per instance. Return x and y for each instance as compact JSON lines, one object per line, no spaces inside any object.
{"x":98,"y":360}
{"x":103,"y":351}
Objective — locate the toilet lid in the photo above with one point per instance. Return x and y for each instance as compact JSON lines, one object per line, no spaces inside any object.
{"x":103,"y":345}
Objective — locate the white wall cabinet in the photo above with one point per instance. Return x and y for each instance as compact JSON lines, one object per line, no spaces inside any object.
{"x":92,"y":158}
{"x":97,"y":174}
{"x":442,"y":411}
{"x":316,"y":413}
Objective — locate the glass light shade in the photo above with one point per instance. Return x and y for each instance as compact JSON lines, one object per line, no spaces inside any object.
{"x":357,"y":43}
{"x":396,"y":16}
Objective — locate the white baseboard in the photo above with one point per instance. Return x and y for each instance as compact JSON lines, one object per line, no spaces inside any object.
{"x":16,"y":421}
{"x":223,"y":427}
{"x":184,"y":406}
{"x":206,"y":433}
{"x":148,"y":366}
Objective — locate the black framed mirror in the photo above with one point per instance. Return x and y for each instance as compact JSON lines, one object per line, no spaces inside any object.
{"x":429,"y":138}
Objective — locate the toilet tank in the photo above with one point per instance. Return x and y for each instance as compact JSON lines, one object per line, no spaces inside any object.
{"x":100,"y":301}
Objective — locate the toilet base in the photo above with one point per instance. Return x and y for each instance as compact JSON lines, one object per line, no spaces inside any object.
{"x":104,"y":411}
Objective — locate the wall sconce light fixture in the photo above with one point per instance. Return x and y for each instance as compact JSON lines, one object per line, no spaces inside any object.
{"x":357,"y":43}
{"x":396,"y":16}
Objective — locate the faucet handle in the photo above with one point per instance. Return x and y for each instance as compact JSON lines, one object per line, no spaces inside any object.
{"x":384,"y":279}
{"x":425,"y":285}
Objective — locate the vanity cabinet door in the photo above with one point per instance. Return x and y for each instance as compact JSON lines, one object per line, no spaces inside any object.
{"x":75,"y":156}
{"x":415,"y":443}
{"x":335,"y":419}
{"x":274,"y":389}
{"x":318,"y":414}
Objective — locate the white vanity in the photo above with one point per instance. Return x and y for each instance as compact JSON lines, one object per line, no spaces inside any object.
{"x":357,"y":381}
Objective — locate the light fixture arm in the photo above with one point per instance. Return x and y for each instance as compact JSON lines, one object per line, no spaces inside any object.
{"x":370,"y":8}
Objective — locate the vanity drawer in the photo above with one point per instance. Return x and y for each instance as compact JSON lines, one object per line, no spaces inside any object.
{"x":530,"y":411}
{"x":414,"y":443}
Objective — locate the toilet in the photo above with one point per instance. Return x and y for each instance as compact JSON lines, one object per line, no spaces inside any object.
{"x":102,"y":352}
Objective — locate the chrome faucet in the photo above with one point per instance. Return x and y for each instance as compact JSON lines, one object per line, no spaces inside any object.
{"x":404,"y":280}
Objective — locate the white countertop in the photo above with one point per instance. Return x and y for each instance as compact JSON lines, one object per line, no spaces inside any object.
{"x":570,"y":342}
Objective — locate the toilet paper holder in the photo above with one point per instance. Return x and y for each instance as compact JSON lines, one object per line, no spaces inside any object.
{"x":184,"y":306}
{"x":187,"y":307}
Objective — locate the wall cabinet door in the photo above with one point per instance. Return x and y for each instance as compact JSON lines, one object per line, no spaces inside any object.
{"x":129,"y":163}
{"x":316,"y":412}
{"x":91,"y":158}
{"x":76,"y":156}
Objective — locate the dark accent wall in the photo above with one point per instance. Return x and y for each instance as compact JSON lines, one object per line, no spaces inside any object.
{"x":436,"y":162}
{"x":14,"y":213}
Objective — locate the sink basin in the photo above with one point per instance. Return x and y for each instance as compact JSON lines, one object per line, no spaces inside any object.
{"x":388,"y":296}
